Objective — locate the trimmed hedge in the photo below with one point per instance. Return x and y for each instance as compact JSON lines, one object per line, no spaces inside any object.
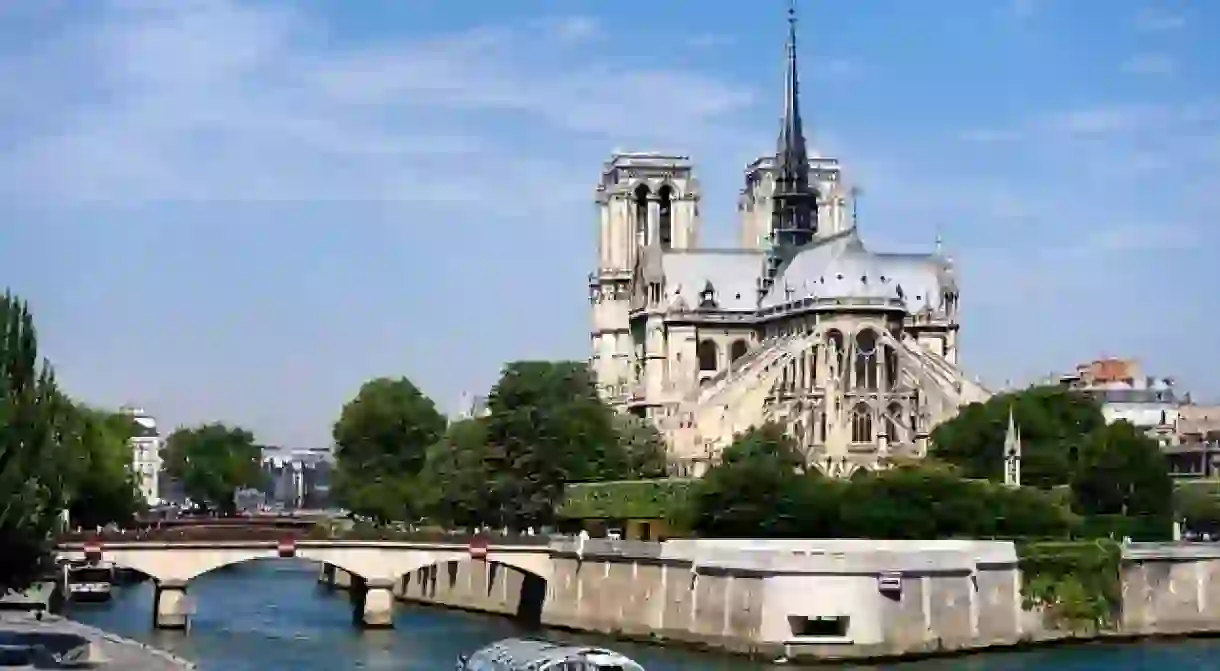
{"x":624,"y":499}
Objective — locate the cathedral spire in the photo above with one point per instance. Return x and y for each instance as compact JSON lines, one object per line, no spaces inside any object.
{"x":795,"y":215}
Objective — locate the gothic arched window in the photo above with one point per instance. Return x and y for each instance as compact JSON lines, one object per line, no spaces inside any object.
{"x":891,"y":367}
{"x":861,"y":424}
{"x":666,"y":216}
{"x":738,"y":349}
{"x":708,"y":353}
{"x":893,"y":415}
{"x":866,"y":359}
{"x":641,"y":214}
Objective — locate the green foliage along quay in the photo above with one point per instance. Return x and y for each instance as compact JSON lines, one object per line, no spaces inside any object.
{"x":213,"y":461}
{"x":756,"y":491}
{"x":34,"y":418}
{"x":653,"y":499}
{"x":1076,"y":583}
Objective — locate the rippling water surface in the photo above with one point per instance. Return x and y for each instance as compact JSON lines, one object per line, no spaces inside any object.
{"x":272,"y":616}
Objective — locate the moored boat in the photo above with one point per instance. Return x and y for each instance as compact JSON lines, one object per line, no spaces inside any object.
{"x":527,"y":654}
{"x":88,"y":581}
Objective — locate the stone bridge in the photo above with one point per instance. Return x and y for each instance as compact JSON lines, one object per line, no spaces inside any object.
{"x":375,"y":566}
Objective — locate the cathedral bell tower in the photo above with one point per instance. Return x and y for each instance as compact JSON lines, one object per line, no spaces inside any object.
{"x":644,"y":199}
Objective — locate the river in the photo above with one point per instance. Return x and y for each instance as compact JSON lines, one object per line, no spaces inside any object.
{"x":273,"y":616}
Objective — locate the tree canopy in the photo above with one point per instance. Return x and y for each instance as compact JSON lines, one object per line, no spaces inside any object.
{"x":642,"y":445}
{"x":382,"y":439}
{"x":1118,"y":478}
{"x":103,"y":486}
{"x":213,"y":461}
{"x":455,"y":475}
{"x":1123,"y":476}
{"x":758,"y":489}
{"x":546,"y":427}
{"x":1054,"y":424}
{"x":34,"y":417}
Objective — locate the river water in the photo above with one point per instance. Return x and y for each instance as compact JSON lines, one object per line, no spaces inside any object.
{"x":273,"y":616}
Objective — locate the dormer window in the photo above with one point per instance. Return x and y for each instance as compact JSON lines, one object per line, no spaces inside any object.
{"x":707,"y":297}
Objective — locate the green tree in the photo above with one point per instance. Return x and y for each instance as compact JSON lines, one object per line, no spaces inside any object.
{"x":756,"y":489}
{"x":213,"y":461}
{"x":643,"y":447}
{"x":1123,"y":477}
{"x":382,"y":438}
{"x":546,"y":427}
{"x":1053,"y":422}
{"x":455,"y":475}
{"x":1197,"y":505}
{"x":33,"y":418}
{"x":932,"y":500}
{"x":103,"y":486}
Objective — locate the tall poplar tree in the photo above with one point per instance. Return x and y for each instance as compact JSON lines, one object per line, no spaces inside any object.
{"x":33,"y":416}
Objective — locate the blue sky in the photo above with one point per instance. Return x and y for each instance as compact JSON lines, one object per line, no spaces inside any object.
{"x":240,"y":211}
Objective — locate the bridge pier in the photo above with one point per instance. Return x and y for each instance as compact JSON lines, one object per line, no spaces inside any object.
{"x":372,"y":604}
{"x":172,"y":608}
{"x":326,"y":577}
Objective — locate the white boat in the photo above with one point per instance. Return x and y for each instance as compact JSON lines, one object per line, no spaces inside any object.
{"x":89,"y":582}
{"x":526,"y":654}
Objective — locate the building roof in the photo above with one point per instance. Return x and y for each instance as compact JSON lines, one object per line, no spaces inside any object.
{"x":840,"y":267}
{"x":733,"y":275}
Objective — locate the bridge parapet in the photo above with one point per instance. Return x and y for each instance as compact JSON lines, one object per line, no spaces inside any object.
{"x":234,"y":532}
{"x":178,"y":562}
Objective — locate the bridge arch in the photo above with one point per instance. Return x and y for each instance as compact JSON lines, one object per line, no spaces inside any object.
{"x":512,"y":586}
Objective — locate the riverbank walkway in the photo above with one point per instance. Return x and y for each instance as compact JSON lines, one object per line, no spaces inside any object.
{"x":106,"y":651}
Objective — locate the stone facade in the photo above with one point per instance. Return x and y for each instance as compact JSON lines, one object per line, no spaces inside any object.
{"x":854,"y":352}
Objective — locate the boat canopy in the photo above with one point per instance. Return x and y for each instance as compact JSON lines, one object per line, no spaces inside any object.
{"x":524,"y":654}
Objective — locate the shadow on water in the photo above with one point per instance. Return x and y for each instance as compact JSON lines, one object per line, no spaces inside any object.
{"x":271,"y":615}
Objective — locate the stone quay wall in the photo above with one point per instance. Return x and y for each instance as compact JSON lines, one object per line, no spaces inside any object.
{"x":941,"y":597}
{"x":951,"y":595}
{"x":1171,"y":589}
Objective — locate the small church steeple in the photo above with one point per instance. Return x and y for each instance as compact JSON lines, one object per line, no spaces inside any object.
{"x":794,"y":218}
{"x":1012,"y":453}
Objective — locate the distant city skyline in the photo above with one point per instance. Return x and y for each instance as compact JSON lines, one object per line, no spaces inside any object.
{"x":240,"y":212}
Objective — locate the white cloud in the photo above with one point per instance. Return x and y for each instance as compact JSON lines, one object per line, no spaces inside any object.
{"x":220,"y":100}
{"x":1157,"y":20}
{"x":576,"y":29}
{"x":1150,"y":64}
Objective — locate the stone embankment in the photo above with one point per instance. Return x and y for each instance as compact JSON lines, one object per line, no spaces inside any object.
{"x":822,"y":600}
{"x":57,"y":642}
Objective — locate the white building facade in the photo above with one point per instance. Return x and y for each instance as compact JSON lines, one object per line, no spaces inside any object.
{"x":146,"y":443}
